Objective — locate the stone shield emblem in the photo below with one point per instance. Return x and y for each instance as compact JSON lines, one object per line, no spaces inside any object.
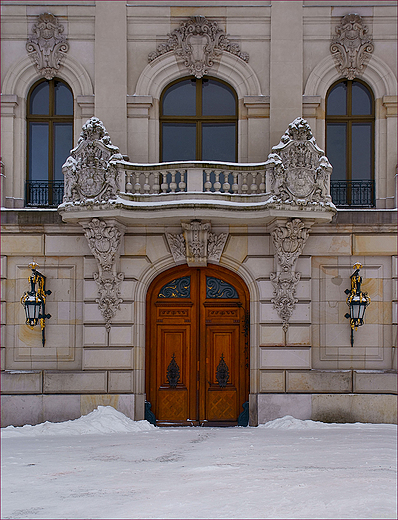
{"x":300,"y":182}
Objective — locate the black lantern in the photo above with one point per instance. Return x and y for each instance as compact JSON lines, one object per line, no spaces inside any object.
{"x":357,"y":301}
{"x":34,"y":301}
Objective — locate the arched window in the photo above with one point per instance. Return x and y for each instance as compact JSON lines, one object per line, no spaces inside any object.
{"x":50,"y":139}
{"x":350,"y":143}
{"x":198,"y":121}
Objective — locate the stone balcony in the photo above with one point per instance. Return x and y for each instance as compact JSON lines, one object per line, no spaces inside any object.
{"x":293,"y":183}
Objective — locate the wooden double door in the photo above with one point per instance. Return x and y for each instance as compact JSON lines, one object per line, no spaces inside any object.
{"x":197,"y":347}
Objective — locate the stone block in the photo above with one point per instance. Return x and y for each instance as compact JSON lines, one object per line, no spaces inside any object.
{"x":2,"y":354}
{"x":275,"y":406}
{"x":121,"y":336}
{"x":18,"y":410}
{"x":258,"y":245}
{"x":375,"y":382}
{"x":135,"y":245}
{"x":156,"y":247}
{"x":236,"y":247}
{"x":21,"y":382}
{"x":394,"y":261}
{"x":351,"y":408}
{"x":90,"y":266}
{"x":297,"y":335}
{"x":121,"y":381}
{"x":3,"y":313}
{"x":328,"y":245}
{"x":318,"y":381}
{"x":282,"y":358}
{"x":381,"y":244}
{"x":133,"y":267}
{"x":75,"y":245}
{"x":69,"y":382}
{"x":94,"y":336}
{"x":272,"y":381}
{"x":92,"y":314}
{"x":59,"y":408}
{"x":108,"y":359}
{"x":29,"y":245}
{"x":301,"y":313}
{"x":123,"y":403}
{"x":259,"y":267}
{"x":3,"y":267}
{"x":271,"y":335}
{"x":303,"y":266}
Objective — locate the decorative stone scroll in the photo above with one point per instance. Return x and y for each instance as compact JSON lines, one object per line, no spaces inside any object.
{"x":298,"y":172}
{"x":289,"y":241}
{"x":104,"y":242}
{"x":47,"y":46}
{"x":196,"y":244}
{"x":199,"y":42}
{"x":89,"y":176}
{"x":352,"y":47}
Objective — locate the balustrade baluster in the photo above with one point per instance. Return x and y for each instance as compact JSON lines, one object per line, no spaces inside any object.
{"x":262,"y":183}
{"x":137,"y":185}
{"x":173,"y":184}
{"x":245,"y":187}
{"x":156,"y":186}
{"x":235,"y":185}
{"x":253,"y":185}
{"x":217,"y":184}
{"x":164,"y":185}
{"x":129,"y":186}
{"x":147,"y":186}
{"x":226,"y":185}
{"x":208,"y":182}
{"x":182,"y":184}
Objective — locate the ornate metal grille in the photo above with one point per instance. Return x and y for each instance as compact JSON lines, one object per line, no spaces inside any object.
{"x":222,"y":372}
{"x":216,"y":288}
{"x":353,"y":193}
{"x":173,"y":372}
{"x":177,"y":288}
{"x":47,"y":194}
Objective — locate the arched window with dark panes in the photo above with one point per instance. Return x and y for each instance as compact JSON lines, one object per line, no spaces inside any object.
{"x":49,"y":141}
{"x":350,"y":117}
{"x":198,"y":121}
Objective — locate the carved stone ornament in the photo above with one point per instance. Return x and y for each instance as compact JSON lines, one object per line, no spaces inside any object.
{"x":198,"y":42}
{"x":197,"y":244}
{"x":104,"y":241}
{"x":352,"y":47}
{"x":289,"y":241}
{"x":47,"y":45}
{"x":298,"y":172}
{"x":89,"y":175}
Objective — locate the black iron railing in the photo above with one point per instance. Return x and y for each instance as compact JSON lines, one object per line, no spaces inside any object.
{"x":44,"y":194}
{"x":353,"y":193}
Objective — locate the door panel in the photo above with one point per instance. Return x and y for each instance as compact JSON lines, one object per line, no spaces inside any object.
{"x":196,"y":360}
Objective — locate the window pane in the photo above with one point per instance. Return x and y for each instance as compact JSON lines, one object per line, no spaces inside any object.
{"x":40,"y":99}
{"x":218,"y":99}
{"x":337,"y":100}
{"x":38,"y":151}
{"x":63,"y":140}
{"x":180,"y":99}
{"x":361,"y":151}
{"x":178,"y":142}
{"x":361,"y":99}
{"x":336,"y":150}
{"x":63,"y":100}
{"x":219,"y":142}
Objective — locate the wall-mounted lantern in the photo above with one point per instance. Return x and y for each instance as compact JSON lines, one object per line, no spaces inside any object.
{"x":34,"y":301}
{"x":357,"y":301}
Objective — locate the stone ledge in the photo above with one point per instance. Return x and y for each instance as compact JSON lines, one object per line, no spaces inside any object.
{"x":319,"y":381}
{"x":21,"y":382}
{"x":74,"y":382}
{"x":375,"y":382}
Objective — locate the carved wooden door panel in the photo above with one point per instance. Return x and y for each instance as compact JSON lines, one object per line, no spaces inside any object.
{"x":197,"y":347}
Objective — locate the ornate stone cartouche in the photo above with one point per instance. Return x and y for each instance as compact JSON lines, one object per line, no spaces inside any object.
{"x":199,"y":42}
{"x":47,"y":46}
{"x":352,"y":46}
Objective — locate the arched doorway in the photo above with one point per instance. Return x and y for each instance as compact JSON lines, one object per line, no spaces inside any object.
{"x":197,"y":346}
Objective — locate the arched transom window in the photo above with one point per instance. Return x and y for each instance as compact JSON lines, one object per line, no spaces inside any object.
{"x":198,"y":121}
{"x":350,"y":142}
{"x":50,"y":139}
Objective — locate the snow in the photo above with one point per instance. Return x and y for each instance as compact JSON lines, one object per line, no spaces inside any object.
{"x":106,"y":466}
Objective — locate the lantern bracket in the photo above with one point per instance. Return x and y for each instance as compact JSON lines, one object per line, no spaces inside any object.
{"x":357,"y":301}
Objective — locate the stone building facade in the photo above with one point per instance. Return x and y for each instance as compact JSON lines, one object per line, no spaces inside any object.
{"x":230,"y":163}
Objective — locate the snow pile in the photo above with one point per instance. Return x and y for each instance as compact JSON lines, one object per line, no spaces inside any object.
{"x":103,"y":420}
{"x":291,"y":423}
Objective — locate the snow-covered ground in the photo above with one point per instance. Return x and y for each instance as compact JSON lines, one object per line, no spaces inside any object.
{"x":104,"y":465}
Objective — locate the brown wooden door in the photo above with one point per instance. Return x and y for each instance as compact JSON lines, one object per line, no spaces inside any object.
{"x":197,"y":358}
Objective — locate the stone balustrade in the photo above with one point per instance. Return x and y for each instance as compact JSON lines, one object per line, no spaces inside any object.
{"x":202,"y":177}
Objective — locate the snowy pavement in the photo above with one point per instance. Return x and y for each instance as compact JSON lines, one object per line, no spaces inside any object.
{"x":105,"y":466}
